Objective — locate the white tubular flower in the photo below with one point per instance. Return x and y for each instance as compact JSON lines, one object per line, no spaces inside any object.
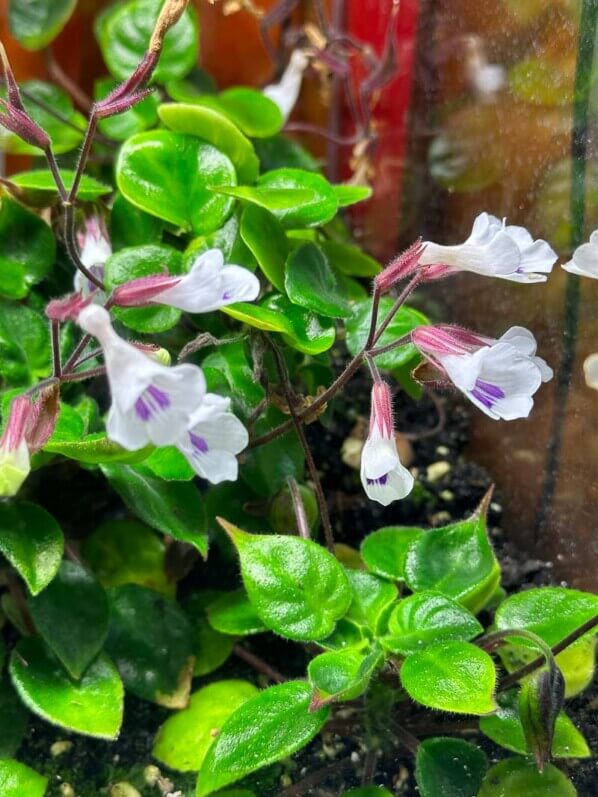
{"x":498,"y":376}
{"x":209,"y":284}
{"x":150,"y":402}
{"x":495,"y":249}
{"x":383,"y":476}
{"x":584,"y":261}
{"x":214,"y":437}
{"x":286,"y":93}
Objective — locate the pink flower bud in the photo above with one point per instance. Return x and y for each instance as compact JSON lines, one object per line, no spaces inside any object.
{"x":403,"y":265}
{"x":22,"y":125}
{"x":144,"y":290}
{"x":22,"y":411}
{"x":44,"y":418}
{"x":67,"y":308}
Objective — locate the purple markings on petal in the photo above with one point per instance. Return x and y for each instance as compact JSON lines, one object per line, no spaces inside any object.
{"x":381,"y":481}
{"x":151,"y":401}
{"x":227,"y":295}
{"x":487,"y":393}
{"x":142,"y":410}
{"x":199,"y":444}
{"x":159,"y":396}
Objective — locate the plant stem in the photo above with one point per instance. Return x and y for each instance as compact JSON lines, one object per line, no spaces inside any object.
{"x":373,"y":318}
{"x":258,"y":664}
{"x":83,"y":155}
{"x":403,"y":341}
{"x":399,"y":302}
{"x":303,"y":787}
{"x":81,"y":375}
{"x":72,"y":363}
{"x":55,"y":334}
{"x":299,"y":509}
{"x":496,"y":639}
{"x":579,"y":144}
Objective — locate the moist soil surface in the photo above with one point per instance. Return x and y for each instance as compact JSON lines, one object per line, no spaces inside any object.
{"x":449,"y":487}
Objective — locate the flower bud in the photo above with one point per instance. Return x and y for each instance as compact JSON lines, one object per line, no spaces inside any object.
{"x":540,"y":701}
{"x":402,"y":266}
{"x":14,"y":451}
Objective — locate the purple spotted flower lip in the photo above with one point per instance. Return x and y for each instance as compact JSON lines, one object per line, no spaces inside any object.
{"x":383,"y":476}
{"x":499,"y":376}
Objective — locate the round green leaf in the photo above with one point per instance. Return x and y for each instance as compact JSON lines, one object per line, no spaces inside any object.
{"x":71,"y":615}
{"x":27,"y":249}
{"x":211,"y":648}
{"x":282,"y":152}
{"x":384,"y":551}
{"x":505,"y":728}
{"x":371,"y":597}
{"x":40,"y":182}
{"x":27,"y":331}
{"x":14,"y":720}
{"x":150,"y":640}
{"x":18,"y":780}
{"x":550,"y":612}
{"x":320,"y":209}
{"x":451,"y":676}
{"x":447,"y":767}
{"x":271,"y":726}
{"x":265,"y":237}
{"x":92,"y":706}
{"x":143,"y":261}
{"x":124,"y":30}
{"x":517,"y":776}
{"x":298,"y":589}
{"x":255,"y":114}
{"x":310,"y":283}
{"x":233,"y":613}
{"x":170,"y":175}
{"x":306,"y":332}
{"x":456,"y":560}
{"x":127,"y":552}
{"x":216,"y":129}
{"x":185,"y":738}
{"x":407,"y":319}
{"x":428,"y":617}
{"x":130,"y":226}
{"x":137,"y":119}
{"x":350,"y":260}
{"x":342,"y":674}
{"x":65,"y":137}
{"x":32,"y":542}
{"x":36,"y":23}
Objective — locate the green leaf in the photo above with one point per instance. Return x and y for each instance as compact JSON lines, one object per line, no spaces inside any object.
{"x":38,"y":183}
{"x":404,"y":321}
{"x":447,"y":767}
{"x":174,"y":508}
{"x":505,"y":728}
{"x":211,"y":648}
{"x":451,"y":676}
{"x":185,"y":738}
{"x":350,"y":260}
{"x":168,"y":463}
{"x":298,"y":589}
{"x":18,"y":780}
{"x":92,"y":706}
{"x":25,"y":351}
{"x":319,"y":209}
{"x":306,"y":332}
{"x":367,"y":791}
{"x":95,"y":449}
{"x":345,"y":635}
{"x":342,"y":674}
{"x":27,"y":249}
{"x":226,"y":238}
{"x":255,"y":114}
{"x":267,"y":468}
{"x":14,"y":720}
{"x":194,"y":86}
{"x":150,"y":640}
{"x":310,"y":282}
{"x":144,"y":261}
{"x":233,"y":613}
{"x":124,"y":30}
{"x":281,"y":152}
{"x":232,"y":361}
{"x":265,"y":237}
{"x":456,"y":560}
{"x":37,"y":22}
{"x":271,"y":726}
{"x":384,"y":551}
{"x":275,"y":200}
{"x":65,"y":136}
{"x":428,"y":617}
{"x":170,"y":175}
{"x":517,"y":776}
{"x":550,"y":612}
{"x":351,"y":194}
{"x":71,"y":616}
{"x":371,"y":597}
{"x":216,"y":129}
{"x":130,"y":226}
{"x":32,"y":542}
{"x":127,"y":552}
{"x":135,"y":120}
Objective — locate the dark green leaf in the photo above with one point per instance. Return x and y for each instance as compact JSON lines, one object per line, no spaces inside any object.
{"x":371,"y":597}
{"x":320,"y":209}
{"x":447,"y":767}
{"x":25,"y":352}
{"x":268,"y":467}
{"x":298,"y":589}
{"x":130,"y":226}
{"x":516,"y":776}
{"x":264,"y":235}
{"x":271,"y":726}
{"x":279,"y":151}
{"x":92,"y":706}
{"x":123,"y":32}
{"x":32,"y":542}
{"x":345,"y":635}
{"x":71,"y":615}
{"x":216,"y":129}
{"x":14,"y":720}
{"x":170,"y":175}
{"x":404,"y":321}
{"x":40,"y":187}
{"x":384,"y":551}
{"x":174,"y":508}
{"x":226,"y":238}
{"x":211,"y":648}
{"x":36,"y":23}
{"x":27,"y":249}
{"x":310,"y":282}
{"x":350,"y":260}
{"x":151,"y":642}
{"x":233,"y":613}
{"x":135,"y":120}
{"x":367,"y":791}
{"x":428,"y":617}
{"x":18,"y":780}
{"x":143,"y":261}
{"x":185,"y":738}
{"x":231,"y":360}
{"x":306,"y":332}
{"x":451,"y":676}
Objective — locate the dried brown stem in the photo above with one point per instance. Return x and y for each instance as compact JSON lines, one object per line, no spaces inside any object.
{"x":258,"y":664}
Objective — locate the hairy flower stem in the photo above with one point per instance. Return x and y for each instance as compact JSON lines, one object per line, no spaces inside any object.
{"x":258,"y":664}
{"x":299,"y":509}
{"x":400,"y":301}
{"x":55,"y":334}
{"x":496,"y":639}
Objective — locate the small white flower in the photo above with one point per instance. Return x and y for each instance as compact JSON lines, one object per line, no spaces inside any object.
{"x":286,"y":93}
{"x":584,"y":261}
{"x":151,"y":403}
{"x":383,"y":476}
{"x":214,"y":437}
{"x":495,"y":250}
